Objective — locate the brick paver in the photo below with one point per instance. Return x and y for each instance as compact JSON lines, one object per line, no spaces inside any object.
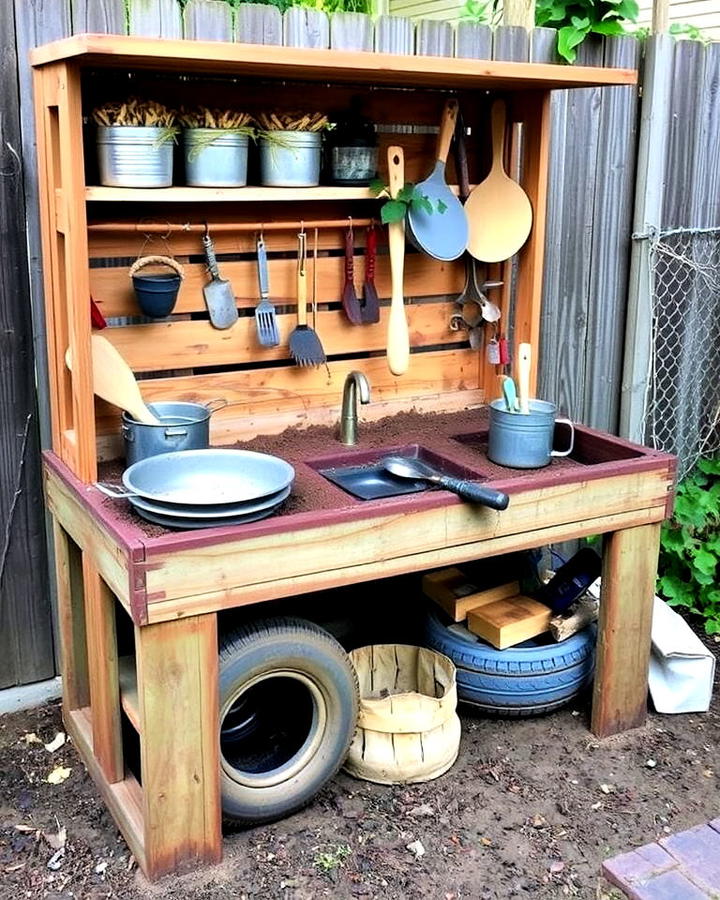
{"x":683,"y":866}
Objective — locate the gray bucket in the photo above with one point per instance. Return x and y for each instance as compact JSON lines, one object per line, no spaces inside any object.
{"x":134,"y":156}
{"x":184,"y":426}
{"x":215,"y":158}
{"x":525,"y":441}
{"x":292,"y":160}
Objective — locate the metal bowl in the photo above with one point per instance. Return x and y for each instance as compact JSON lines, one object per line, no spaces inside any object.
{"x":212,"y":476}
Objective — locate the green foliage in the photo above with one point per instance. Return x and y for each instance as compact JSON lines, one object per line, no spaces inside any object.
{"x":689,"y":31}
{"x":481,"y":12}
{"x":690,"y":546}
{"x":408,"y":197}
{"x":331,"y":858}
{"x":576,"y":19}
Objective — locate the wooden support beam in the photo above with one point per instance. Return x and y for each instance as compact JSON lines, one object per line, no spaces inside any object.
{"x":177,"y":678}
{"x":71,"y":621}
{"x":623,"y":651}
{"x":103,"y":673}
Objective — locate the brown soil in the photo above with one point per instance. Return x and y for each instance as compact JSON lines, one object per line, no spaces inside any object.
{"x":530,"y":809}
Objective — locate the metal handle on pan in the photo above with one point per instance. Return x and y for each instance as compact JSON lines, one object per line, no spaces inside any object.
{"x":112,"y":490}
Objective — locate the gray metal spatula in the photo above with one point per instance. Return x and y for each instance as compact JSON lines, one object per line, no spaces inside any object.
{"x":219,"y":296}
{"x":265,"y":318}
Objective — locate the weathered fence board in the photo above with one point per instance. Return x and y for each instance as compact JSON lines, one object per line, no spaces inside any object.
{"x":395,"y":34}
{"x":351,"y":31}
{"x":258,"y":24}
{"x":155,"y":18}
{"x":208,"y":20}
{"x":306,"y":28}
{"x":511,"y":42}
{"x":473,"y":41}
{"x":433,"y":38}
{"x":26,"y":644}
{"x":98,"y":17}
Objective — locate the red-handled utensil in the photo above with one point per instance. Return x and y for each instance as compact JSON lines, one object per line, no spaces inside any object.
{"x":350,"y":302}
{"x":371,"y":305}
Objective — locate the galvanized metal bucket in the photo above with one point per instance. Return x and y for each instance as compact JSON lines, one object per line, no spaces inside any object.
{"x":134,"y":156}
{"x":215,"y":158}
{"x":290,"y":159}
{"x":183,"y":426}
{"x":525,"y":441}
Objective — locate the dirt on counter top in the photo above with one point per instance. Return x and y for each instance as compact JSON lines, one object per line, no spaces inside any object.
{"x":530,"y":810}
{"x":437,"y":432}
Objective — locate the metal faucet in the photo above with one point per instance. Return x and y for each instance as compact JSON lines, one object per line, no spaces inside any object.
{"x":348,"y":418}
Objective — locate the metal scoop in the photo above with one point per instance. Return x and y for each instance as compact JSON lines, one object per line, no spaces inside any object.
{"x":405,"y":467}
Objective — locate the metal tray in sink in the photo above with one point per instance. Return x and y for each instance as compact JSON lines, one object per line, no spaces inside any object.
{"x":371,"y":482}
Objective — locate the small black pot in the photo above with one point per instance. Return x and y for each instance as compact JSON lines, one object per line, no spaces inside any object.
{"x":156,"y":294}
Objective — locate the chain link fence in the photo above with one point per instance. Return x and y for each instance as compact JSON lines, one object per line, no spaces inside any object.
{"x":683,"y":404}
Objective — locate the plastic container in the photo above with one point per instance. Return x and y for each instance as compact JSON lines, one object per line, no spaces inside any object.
{"x":290,"y":159}
{"x":215,"y":158}
{"x":134,"y":156}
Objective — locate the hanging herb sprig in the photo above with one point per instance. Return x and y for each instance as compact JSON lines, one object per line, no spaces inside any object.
{"x":395,"y":209}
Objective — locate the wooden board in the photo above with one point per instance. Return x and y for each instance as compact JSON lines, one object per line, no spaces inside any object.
{"x":321,"y":65}
{"x":505,"y":623}
{"x":452,"y":591}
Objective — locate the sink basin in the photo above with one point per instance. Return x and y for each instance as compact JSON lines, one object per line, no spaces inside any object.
{"x":358,"y":472}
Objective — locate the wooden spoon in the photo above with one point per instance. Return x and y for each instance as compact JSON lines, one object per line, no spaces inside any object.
{"x":498,"y":210}
{"x":524,"y":364}
{"x":114,"y":381}
{"x":398,"y":338}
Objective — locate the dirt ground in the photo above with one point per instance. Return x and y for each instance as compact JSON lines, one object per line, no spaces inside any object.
{"x":530,"y":809}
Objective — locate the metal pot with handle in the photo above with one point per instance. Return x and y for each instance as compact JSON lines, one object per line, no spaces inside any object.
{"x":182,"y":426}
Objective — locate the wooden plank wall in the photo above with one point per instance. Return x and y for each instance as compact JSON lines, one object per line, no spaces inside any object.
{"x":26,"y":642}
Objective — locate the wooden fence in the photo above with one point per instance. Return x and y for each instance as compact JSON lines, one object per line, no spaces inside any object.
{"x":588,"y":231}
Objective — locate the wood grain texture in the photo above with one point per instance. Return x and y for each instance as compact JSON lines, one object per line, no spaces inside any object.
{"x":177,"y":680}
{"x":351,"y":31}
{"x":623,"y":649}
{"x":395,"y":34}
{"x":473,"y":41}
{"x":208,"y":20}
{"x":26,"y":644}
{"x":103,"y":673}
{"x":98,"y":17}
{"x":511,"y":42}
{"x":256,"y":23}
{"x":614,"y":190}
{"x":71,"y":620}
{"x":433,"y":38}
{"x":155,"y":18}
{"x":304,"y":27}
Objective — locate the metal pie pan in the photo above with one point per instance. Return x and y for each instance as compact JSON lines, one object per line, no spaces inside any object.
{"x":221,"y":511}
{"x":181,"y":524}
{"x":208,"y":477}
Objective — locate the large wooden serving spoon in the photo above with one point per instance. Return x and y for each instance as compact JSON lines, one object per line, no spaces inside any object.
{"x":498,"y":209}
{"x":398,"y":337}
{"x":114,"y":381}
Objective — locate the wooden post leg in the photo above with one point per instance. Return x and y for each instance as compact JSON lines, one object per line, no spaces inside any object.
{"x":177,"y":672}
{"x":623,"y":650}
{"x":71,"y":621}
{"x":103,"y":673}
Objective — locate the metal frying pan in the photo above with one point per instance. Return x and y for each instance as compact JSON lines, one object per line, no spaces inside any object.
{"x":442,"y":235}
{"x":222,"y":512}
{"x":185,"y":524}
{"x":200,"y":477}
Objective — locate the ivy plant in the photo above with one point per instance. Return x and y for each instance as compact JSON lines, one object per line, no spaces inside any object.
{"x":576,"y":19}
{"x":481,"y":12}
{"x":690,"y":546}
{"x":395,"y":210}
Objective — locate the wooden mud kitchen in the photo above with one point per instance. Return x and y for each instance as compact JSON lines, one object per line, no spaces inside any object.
{"x":143,"y":710}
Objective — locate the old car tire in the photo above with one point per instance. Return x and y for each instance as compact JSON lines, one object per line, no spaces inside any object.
{"x":288,"y":711}
{"x":535,"y":677}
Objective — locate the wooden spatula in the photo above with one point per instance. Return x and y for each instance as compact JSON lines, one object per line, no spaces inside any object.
{"x":398,"y":337}
{"x":114,"y":381}
{"x":498,"y":210}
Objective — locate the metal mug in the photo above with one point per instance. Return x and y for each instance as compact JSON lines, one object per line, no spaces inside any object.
{"x":525,"y":440}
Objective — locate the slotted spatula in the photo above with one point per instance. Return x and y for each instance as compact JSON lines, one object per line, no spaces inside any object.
{"x":265,"y":318}
{"x":114,"y":381}
{"x":304,"y":343}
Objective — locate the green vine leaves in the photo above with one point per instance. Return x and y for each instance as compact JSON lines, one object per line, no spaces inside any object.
{"x":576,"y":19}
{"x":395,"y":210}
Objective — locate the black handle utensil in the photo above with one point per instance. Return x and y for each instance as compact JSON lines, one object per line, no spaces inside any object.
{"x":406,"y":467}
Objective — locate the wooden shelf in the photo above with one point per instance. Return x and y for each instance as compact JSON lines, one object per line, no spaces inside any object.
{"x":127,"y":676}
{"x":249,"y":194}
{"x":303,"y":64}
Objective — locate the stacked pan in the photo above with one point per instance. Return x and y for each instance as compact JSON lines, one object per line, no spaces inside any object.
{"x":206,"y":488}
